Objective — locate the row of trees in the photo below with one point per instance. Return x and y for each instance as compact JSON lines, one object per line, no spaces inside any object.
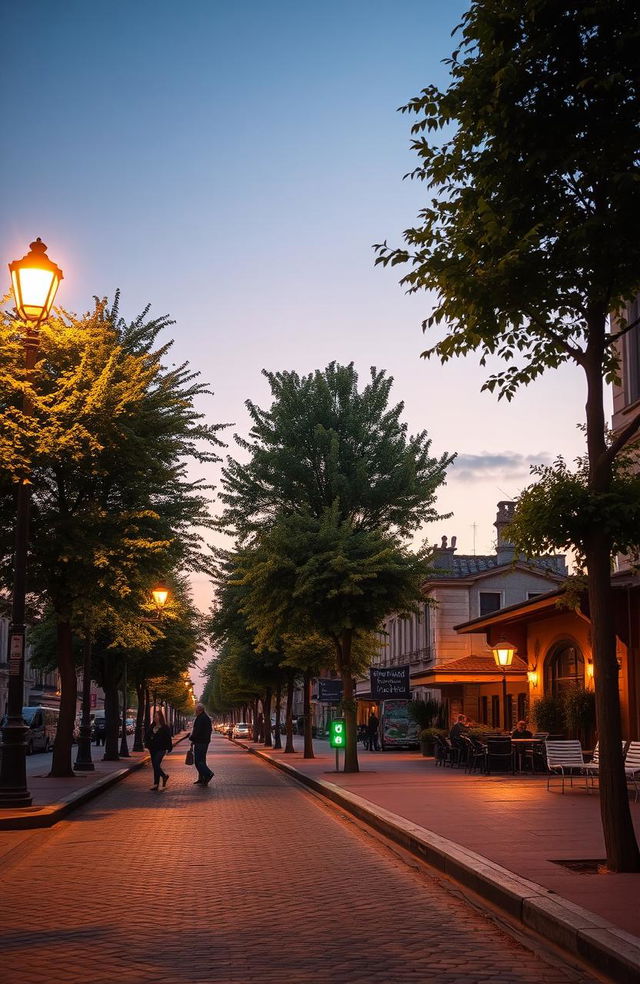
{"x":111,"y":431}
{"x":322,"y":507}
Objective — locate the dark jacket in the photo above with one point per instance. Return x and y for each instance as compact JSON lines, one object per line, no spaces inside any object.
{"x":521,"y":734}
{"x":160,"y":740}
{"x":201,"y":730}
{"x":373,"y":724}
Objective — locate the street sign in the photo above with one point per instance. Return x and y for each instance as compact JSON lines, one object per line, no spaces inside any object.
{"x":338,"y":733}
{"x":329,"y":691}
{"x":389,"y":681}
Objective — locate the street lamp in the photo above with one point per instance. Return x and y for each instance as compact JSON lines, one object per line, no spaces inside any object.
{"x":35,"y":280}
{"x":503,"y":653}
{"x":160,"y":596}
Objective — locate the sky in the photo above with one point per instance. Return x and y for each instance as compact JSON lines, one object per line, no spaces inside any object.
{"x":232,"y":163}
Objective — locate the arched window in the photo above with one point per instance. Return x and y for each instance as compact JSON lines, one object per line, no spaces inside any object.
{"x":564,"y":669}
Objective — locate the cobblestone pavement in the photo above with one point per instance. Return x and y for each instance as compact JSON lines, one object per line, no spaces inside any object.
{"x":251,"y":879}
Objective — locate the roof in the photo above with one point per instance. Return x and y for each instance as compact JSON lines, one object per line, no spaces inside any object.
{"x":480,"y":664}
{"x":471,"y":565}
{"x":546,"y":601}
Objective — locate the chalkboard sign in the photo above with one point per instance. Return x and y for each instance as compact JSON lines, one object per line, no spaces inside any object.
{"x":389,"y":681}
{"x":329,"y":691}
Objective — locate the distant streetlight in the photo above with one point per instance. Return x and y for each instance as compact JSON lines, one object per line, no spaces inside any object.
{"x":160,"y":595}
{"x":503,"y":653}
{"x":35,"y":280}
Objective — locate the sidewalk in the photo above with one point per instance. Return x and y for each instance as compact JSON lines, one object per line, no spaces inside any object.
{"x":54,"y":798}
{"x":490,"y":831}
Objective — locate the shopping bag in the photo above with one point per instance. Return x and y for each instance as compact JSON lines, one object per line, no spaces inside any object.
{"x":188,"y":759}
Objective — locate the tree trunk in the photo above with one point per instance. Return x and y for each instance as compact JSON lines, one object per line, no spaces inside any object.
{"x":617,"y":826}
{"x":289,"y":714}
{"x":256,"y":720}
{"x":343,"y":650}
{"x":61,"y":761}
{"x":111,"y":713}
{"x":308,"y":723}
{"x":277,"y":738}
{"x":266,"y":708}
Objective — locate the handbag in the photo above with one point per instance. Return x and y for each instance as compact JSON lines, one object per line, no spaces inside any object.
{"x":188,"y":759}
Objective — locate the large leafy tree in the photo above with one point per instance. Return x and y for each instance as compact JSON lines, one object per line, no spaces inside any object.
{"x":338,"y":463}
{"x":529,"y":239}
{"x":324,"y":442}
{"x":106,"y":446}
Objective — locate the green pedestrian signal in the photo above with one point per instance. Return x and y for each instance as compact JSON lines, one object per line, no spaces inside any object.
{"x":338,"y":734}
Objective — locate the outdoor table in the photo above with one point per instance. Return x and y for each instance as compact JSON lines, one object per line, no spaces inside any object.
{"x":520,"y":746}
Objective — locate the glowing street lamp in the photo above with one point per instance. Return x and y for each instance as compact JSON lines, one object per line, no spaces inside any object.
{"x":35,"y":280}
{"x":160,"y":596}
{"x":503,"y":653}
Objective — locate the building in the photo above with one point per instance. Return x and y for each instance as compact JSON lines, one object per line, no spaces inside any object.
{"x":626,"y":393}
{"x":553,"y":639}
{"x":457,"y":668}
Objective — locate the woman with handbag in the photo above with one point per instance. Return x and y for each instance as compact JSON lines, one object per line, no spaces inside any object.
{"x":158,"y":742}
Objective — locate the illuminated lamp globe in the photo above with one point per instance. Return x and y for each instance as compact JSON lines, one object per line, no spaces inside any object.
{"x":503,"y":653}
{"x":160,"y":596}
{"x":35,"y":280}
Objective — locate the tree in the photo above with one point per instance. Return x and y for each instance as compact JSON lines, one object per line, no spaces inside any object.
{"x":325,"y":577}
{"x":323,"y":443}
{"x":529,"y":240}
{"x":106,"y":448}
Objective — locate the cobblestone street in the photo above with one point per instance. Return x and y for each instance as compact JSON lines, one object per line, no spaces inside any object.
{"x":249,"y":879}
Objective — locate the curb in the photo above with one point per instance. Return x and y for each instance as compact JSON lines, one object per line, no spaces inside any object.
{"x":47,"y":816}
{"x":606,"y":948}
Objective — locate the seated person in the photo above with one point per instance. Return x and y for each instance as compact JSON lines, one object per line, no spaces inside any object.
{"x":521,"y":731}
{"x":459,"y":728}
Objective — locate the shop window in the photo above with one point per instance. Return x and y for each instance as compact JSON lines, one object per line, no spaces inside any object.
{"x":522,"y":707}
{"x":564,"y":669}
{"x":631,"y":360}
{"x":490,"y":601}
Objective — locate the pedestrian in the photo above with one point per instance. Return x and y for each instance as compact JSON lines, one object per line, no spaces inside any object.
{"x":158,"y":741}
{"x":200,"y":737}
{"x":373,"y":726}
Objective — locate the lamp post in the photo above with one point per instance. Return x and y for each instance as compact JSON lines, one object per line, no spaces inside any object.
{"x":35,"y":280}
{"x":503,"y":653}
{"x":84,"y":762}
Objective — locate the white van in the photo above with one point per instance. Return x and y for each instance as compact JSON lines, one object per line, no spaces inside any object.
{"x":43,"y":724}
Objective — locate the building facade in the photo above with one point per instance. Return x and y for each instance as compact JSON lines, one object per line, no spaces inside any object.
{"x":456,"y":668}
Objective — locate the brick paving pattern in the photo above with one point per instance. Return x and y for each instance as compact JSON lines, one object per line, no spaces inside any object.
{"x":251,"y":879}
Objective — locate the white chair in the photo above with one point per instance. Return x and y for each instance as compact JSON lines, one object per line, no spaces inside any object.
{"x":565,"y":758}
{"x":632,"y":764}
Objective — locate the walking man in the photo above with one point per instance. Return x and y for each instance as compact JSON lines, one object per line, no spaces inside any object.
{"x":200,"y":737}
{"x":373,"y":726}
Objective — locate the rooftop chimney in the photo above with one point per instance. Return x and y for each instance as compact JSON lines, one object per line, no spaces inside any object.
{"x":504,"y":548}
{"x":443,"y":555}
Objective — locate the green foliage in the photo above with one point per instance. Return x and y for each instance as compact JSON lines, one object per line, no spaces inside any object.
{"x":322,"y":574}
{"x":560,"y":511}
{"x":548,"y":715}
{"x":323,"y":443}
{"x":424,"y":712}
{"x":531,"y":158}
{"x":579,"y":710}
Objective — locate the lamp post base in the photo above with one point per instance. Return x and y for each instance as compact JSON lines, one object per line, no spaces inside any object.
{"x":13,"y":771}
{"x":84,"y":762}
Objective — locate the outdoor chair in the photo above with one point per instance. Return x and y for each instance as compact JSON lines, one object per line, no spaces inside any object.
{"x":442,"y":750}
{"x":592,"y":768}
{"x":534,"y":753}
{"x":476,"y":754}
{"x":565,"y":758}
{"x":632,"y":764}
{"x":500,"y":754}
{"x":460,"y":746}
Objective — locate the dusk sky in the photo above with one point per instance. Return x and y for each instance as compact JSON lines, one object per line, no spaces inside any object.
{"x":232,"y":164}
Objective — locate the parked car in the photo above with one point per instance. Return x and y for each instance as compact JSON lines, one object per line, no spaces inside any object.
{"x":131,"y":726}
{"x":42,"y":723}
{"x":242,"y":730}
